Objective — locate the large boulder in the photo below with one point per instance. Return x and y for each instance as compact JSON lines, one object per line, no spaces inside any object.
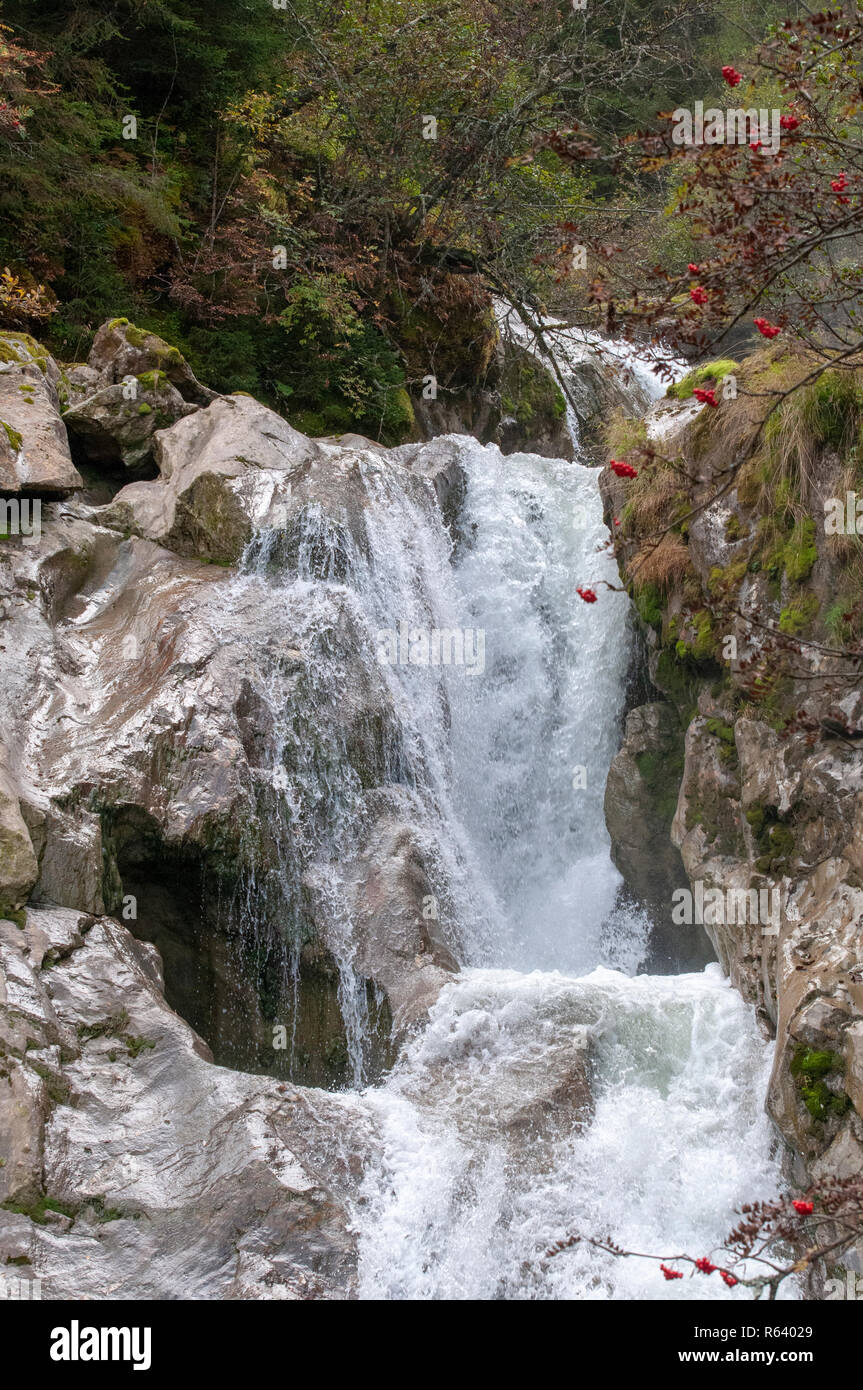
{"x":34,"y":450}
{"x":135,"y":1168}
{"x":122,"y":350}
{"x":198,"y":506}
{"x":114,"y":427}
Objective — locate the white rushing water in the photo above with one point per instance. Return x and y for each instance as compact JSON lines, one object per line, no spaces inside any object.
{"x":553,"y":1088}
{"x":490,"y":1152}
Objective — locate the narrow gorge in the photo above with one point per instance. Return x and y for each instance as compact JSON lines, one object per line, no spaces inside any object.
{"x":321,"y":973}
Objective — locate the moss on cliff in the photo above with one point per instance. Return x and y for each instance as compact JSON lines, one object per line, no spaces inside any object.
{"x":810,"y":1068}
{"x":710,"y":374}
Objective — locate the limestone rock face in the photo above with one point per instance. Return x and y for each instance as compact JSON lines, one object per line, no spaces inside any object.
{"x":115,"y":426}
{"x":167,"y":717}
{"x":121,"y":350}
{"x":166,"y":1176}
{"x":34,"y":450}
{"x":640,"y":799}
{"x":18,"y":867}
{"x":770,"y":806}
{"x":161,"y":705}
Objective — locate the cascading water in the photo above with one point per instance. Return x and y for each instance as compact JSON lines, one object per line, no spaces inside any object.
{"x":553,"y":1088}
{"x":490,"y":1153}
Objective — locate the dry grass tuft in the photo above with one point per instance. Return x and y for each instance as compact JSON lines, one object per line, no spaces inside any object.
{"x":665,"y":565}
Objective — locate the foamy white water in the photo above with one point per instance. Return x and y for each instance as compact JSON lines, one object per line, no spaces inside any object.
{"x":549,"y":1093}
{"x":466,"y":1202}
{"x":533,"y":739}
{"x":553,"y":1088}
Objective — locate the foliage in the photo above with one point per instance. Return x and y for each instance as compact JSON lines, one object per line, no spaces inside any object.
{"x":279,"y":171}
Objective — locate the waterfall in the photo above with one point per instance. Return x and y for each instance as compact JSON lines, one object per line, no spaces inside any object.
{"x":553,"y":1088}
{"x":534,"y":737}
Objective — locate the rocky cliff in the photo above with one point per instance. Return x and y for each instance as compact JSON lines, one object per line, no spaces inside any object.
{"x":751,"y":613}
{"x":159,"y":697}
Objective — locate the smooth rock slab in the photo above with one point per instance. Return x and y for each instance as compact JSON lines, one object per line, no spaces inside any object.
{"x":179,"y":1179}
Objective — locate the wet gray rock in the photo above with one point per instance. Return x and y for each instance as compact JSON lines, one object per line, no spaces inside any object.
{"x":34,"y":450}
{"x":115,"y":426}
{"x":174,"y":1178}
{"x":122,"y":350}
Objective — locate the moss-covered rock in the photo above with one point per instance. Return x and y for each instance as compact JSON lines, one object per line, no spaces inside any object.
{"x":710,"y":374}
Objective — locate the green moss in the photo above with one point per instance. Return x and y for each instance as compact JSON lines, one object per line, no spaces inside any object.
{"x":145,"y":409}
{"x":725,"y":733}
{"x":36,"y":1210}
{"x":711,"y":371}
{"x":648,"y":602}
{"x":810,"y":1067}
{"x":724,"y":583}
{"x":135,"y":1046}
{"x":12,"y":342}
{"x":816,"y":1063}
{"x":15,"y":439}
{"x":721,"y":730}
{"x":799,"y":614}
{"x":831,"y":407}
{"x":735,"y":530}
{"x":111,"y":1027}
{"x":530,"y":393}
{"x":700,"y":645}
{"x":780,"y":840}
{"x":401,"y":420}
{"x":775,"y":839}
{"x":152,"y":381}
{"x":679,"y":679}
{"x":103,"y":1214}
{"x":661,"y":773}
{"x":800,"y":551}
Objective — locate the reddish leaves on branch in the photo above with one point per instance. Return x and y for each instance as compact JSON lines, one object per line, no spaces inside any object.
{"x":760,"y":213}
{"x":764,"y":1247}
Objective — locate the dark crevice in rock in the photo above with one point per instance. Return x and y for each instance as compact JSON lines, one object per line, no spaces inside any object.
{"x":240,"y":969}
